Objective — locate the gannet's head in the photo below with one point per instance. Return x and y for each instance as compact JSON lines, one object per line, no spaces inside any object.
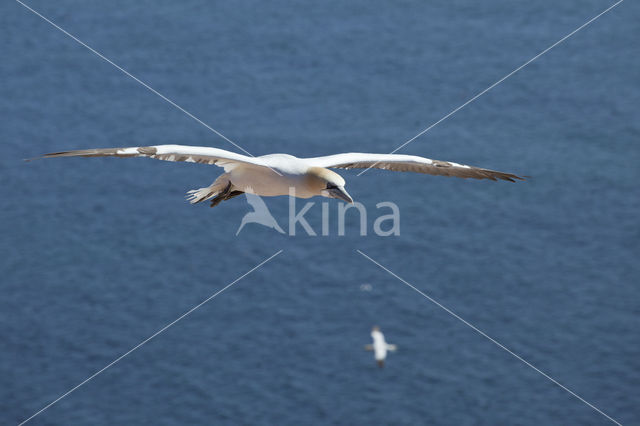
{"x":327,"y":183}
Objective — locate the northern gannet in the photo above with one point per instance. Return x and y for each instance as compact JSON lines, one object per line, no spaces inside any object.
{"x":283,"y":174}
{"x":380,"y":346}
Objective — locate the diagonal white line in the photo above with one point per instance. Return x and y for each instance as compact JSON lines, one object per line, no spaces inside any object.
{"x":101,"y":56}
{"x":500,"y":345}
{"x":498,"y":82}
{"x":149,"y":338}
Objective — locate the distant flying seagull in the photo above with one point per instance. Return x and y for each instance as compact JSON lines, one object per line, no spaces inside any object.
{"x":283,"y":174}
{"x":380,"y":346}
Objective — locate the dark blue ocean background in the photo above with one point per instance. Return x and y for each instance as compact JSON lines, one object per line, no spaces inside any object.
{"x":98,"y":254}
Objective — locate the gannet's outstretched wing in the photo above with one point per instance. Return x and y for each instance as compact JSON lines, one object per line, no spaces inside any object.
{"x":368,"y":347}
{"x":392,"y":347}
{"x":192,"y":154}
{"x":407,"y":163}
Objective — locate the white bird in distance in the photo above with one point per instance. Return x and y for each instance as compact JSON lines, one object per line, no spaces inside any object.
{"x":283,"y":174}
{"x":380,"y":346}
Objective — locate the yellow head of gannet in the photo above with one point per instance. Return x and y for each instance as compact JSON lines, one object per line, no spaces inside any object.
{"x":327,"y":183}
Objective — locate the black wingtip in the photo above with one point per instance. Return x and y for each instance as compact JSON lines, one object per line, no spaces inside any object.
{"x":514,"y":178}
{"x":49,"y":155}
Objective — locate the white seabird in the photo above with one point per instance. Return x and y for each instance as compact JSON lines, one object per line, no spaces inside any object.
{"x":380,"y":346}
{"x":283,"y":174}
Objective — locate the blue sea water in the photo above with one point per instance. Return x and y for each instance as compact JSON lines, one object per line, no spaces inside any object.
{"x":99,"y":254}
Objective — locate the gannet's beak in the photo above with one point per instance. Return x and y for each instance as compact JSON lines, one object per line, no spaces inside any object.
{"x":340,"y":193}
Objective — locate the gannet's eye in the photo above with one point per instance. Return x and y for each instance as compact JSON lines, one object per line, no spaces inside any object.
{"x":331,"y":185}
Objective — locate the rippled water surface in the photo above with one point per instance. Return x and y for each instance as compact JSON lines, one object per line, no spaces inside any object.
{"x":98,"y":254}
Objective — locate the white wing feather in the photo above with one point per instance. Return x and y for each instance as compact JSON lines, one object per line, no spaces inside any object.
{"x":407,"y":163}
{"x":192,"y":154}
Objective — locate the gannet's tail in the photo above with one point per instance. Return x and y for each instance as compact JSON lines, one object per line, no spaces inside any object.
{"x":197,"y":195}
{"x":219,"y":185}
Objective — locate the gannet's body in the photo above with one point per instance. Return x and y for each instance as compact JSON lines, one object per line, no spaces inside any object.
{"x":380,"y":346}
{"x":283,"y":174}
